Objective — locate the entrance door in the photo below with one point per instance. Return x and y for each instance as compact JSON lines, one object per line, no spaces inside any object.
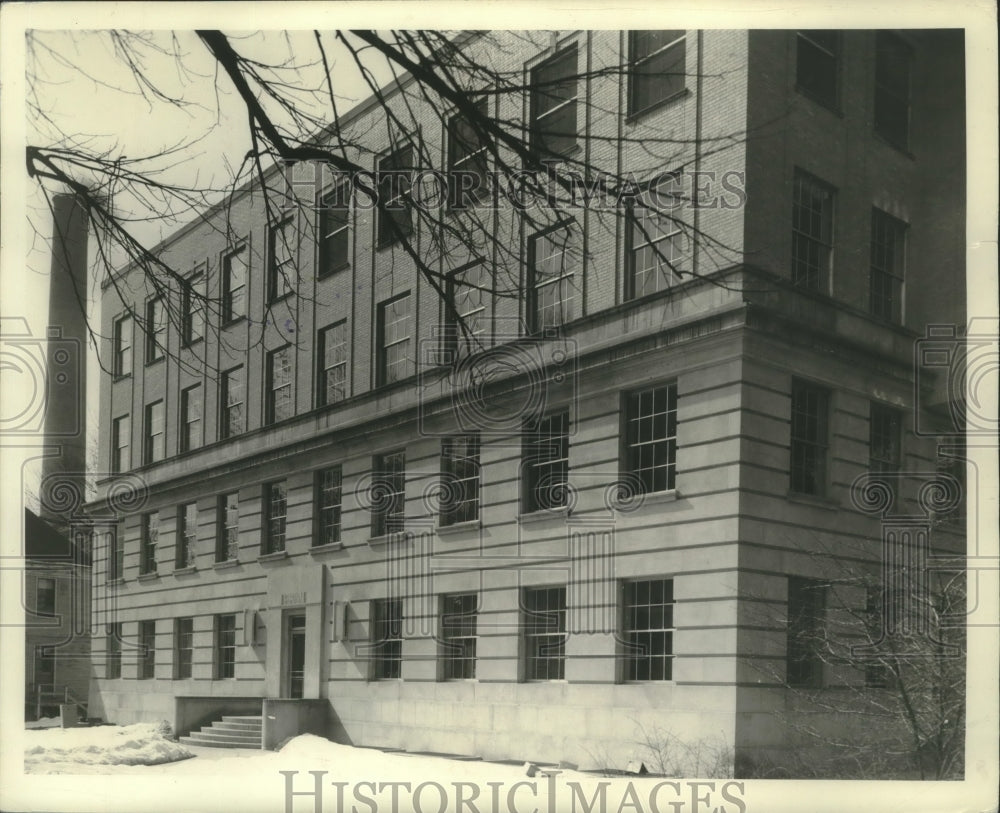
{"x":296,"y":639}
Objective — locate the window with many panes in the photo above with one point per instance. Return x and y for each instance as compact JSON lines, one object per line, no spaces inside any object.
{"x":156,"y":439}
{"x":386,"y":637}
{"x":116,"y":552}
{"x":543,"y":624}
{"x":657,"y":246}
{"x":121,"y":429}
{"x":332,"y":361}
{"x":45,"y":596}
{"x":806,"y":610}
{"x":460,"y":479}
{"x":892,"y":88}
{"x":225,"y":646}
{"x":809,"y":438}
{"x":467,"y":159}
{"x":888,"y":257}
{"x":648,"y":629}
{"x":812,"y":232}
{"x":458,"y":636}
{"x":877,"y":675}
{"x":156,"y":330}
{"x":187,"y":535}
{"x":122,"y":333}
{"x":113,"y":652}
{"x":227,"y":540}
{"x":651,"y":437}
{"x":395,"y":175}
{"x":394,"y":361}
{"x":233,"y":420}
{"x":234,"y":285}
{"x":656,"y":68}
{"x":183,"y":647}
{"x":279,"y":384}
{"x":329,"y":497}
{"x":275,"y":516}
{"x":149,"y":534}
{"x":553,"y":104}
{"x":388,"y":493}
{"x":280,"y":261}
{"x":884,"y":438}
{"x":147,"y":650}
{"x":191,"y":409}
{"x":194,"y":306}
{"x":817,"y":68}
{"x":551,"y":289}
{"x":466,"y":322}
{"x":334,"y":230}
{"x":545,"y":463}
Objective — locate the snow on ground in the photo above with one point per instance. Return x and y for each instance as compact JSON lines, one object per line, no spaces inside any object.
{"x":140,"y":744}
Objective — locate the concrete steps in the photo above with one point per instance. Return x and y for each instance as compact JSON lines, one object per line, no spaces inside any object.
{"x":229,"y":732}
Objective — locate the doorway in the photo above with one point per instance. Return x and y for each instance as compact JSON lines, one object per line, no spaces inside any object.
{"x":296,"y":669}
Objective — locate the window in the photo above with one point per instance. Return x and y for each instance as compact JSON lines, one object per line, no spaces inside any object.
{"x":156,"y":330}
{"x":227,"y":544}
{"x":147,"y":650}
{"x":884,"y":439}
{"x":553,"y":105}
{"x":389,"y":493}
{"x":122,"y":364}
{"x":876,"y":671}
{"x":332,"y":358}
{"x":812,"y":232}
{"x":651,"y":437}
{"x":116,"y":553}
{"x":468,"y":290}
{"x":113,"y":652}
{"x":233,"y":419}
{"x":655,"y":68}
{"x":543,"y":619}
{"x":156,"y":446}
{"x":183,"y":647}
{"x":658,"y":247}
{"x":394,"y":362}
{"x":234,"y":282}
{"x":194,"y":307}
{"x":395,"y":218}
{"x":809,"y":438}
{"x":550,"y":267}
{"x":329,"y":493}
{"x":460,"y":476}
{"x":458,"y":636}
{"x":892,"y":89}
{"x":806,"y":607}
{"x":275,"y":516}
{"x":648,"y":629}
{"x":280,"y":261}
{"x":191,"y":418}
{"x":387,"y":638}
{"x":45,"y":596}
{"x":334,"y":231}
{"x":467,"y":159}
{"x":545,"y":463}
{"x":950,"y":469}
{"x":225,"y":646}
{"x":888,"y":258}
{"x":816,"y":65}
{"x":121,"y":428}
{"x":187,"y":535}
{"x":148,"y":536}
{"x":279,"y":384}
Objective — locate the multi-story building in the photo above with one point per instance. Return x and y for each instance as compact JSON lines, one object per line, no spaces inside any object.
{"x":602,"y":506}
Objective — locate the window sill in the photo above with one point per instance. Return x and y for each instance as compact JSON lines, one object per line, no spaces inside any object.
{"x":543,"y":514}
{"x":184,"y":571}
{"x":116,"y":582}
{"x":227,"y":323}
{"x":226,"y":564}
{"x":190,"y":344}
{"x":824,"y":103}
{"x":148,"y":577}
{"x":632,"y":118}
{"x":385,"y":539}
{"x":652,"y":498}
{"x":154,"y":362}
{"x":902,"y":150}
{"x":274,"y":300}
{"x":813,"y":500}
{"x":456,"y":528}
{"x":331,"y":271}
{"x":277,"y":556}
{"x":121,"y":377}
{"x":329,"y":547}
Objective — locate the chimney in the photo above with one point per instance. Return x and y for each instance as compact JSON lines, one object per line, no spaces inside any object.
{"x":66,"y":371}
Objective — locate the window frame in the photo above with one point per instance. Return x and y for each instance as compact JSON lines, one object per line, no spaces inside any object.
{"x":630,"y":631}
{"x":383,"y":361}
{"x":113,"y":651}
{"x":225,"y":652}
{"x":886,"y":93}
{"x":286,"y":387}
{"x":235,"y":293}
{"x":460,"y":152}
{"x":536,"y":140}
{"x":390,"y":482}
{"x":329,"y":232}
{"x":533,"y":641}
{"x":154,"y":441}
{"x":323,"y":371}
{"x":281,"y":274}
{"x":116,"y":554}
{"x":149,"y":536}
{"x":191,"y":428}
{"x":183,"y":648}
{"x":635,"y":60}
{"x":386,"y":614}
{"x":818,"y":446}
{"x":121,"y":457}
{"x":48,"y":611}
{"x":536,"y":284}
{"x":630,"y":455}
{"x":896,"y":232}
{"x":227,"y":549}
{"x":226,"y":405}
{"x":187,"y":536}
{"x":195,"y":286}
{"x":156,"y":330}
{"x":146,"y":669}
{"x":457,"y":650}
{"x":456,"y":341}
{"x":274,"y":505}
{"x":543,"y":452}
{"x":806,"y":40}
{"x":329,"y":498}
{"x":647,"y":216}
{"x":386,"y":237}
{"x":457,"y":482}
{"x":810,"y":619}
{"x":122,"y":345}
{"x":805,"y":243}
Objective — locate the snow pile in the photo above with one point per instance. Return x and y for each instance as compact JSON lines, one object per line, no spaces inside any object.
{"x":140,"y":744}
